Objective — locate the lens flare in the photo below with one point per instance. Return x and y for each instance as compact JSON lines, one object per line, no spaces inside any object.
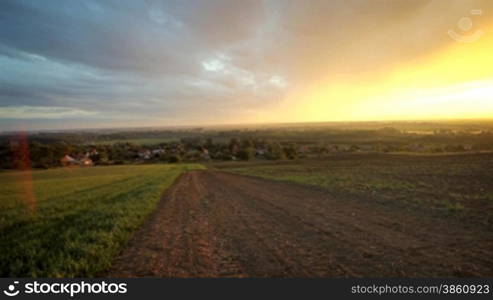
{"x":19,"y":145}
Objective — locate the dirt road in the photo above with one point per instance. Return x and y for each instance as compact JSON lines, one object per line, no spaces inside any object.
{"x":216,"y":224}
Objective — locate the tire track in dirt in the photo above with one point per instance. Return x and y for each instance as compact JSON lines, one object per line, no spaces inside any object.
{"x":248,"y":222}
{"x":216,"y":224}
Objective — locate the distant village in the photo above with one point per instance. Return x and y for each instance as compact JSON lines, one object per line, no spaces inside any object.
{"x":180,"y":151}
{"x":176,"y":152}
{"x":19,"y":153}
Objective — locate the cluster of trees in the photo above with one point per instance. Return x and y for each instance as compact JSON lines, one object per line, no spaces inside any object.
{"x":243,"y":149}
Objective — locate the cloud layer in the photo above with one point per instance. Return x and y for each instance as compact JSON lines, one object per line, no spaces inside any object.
{"x":120,"y":62}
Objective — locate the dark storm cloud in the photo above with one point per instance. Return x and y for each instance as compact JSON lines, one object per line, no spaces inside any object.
{"x":115,"y":56}
{"x":148,"y":37}
{"x":93,"y":35}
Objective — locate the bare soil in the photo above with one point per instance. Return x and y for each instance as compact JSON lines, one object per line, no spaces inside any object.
{"x":217,"y":224}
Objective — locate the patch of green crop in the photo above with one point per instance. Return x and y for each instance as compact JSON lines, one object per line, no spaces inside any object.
{"x":456,"y":184}
{"x":341,"y":180}
{"x":453,"y":206}
{"x":137,"y":141}
{"x":72,"y":222}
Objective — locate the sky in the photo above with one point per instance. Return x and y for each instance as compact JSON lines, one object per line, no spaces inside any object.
{"x":127,"y":63}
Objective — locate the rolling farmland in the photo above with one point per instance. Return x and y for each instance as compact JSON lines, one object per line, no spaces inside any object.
{"x":218,"y":224}
{"x":352,"y":215}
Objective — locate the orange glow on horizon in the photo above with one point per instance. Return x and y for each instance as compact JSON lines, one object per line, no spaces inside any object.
{"x":456,"y":83}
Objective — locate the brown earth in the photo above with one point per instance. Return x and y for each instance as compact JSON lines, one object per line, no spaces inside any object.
{"x":217,"y":224}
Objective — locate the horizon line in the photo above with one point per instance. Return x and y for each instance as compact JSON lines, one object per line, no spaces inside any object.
{"x":212,"y":125}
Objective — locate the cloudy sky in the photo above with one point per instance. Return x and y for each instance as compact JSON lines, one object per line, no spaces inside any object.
{"x":120,"y":63}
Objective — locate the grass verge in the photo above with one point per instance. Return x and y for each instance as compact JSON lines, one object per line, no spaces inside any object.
{"x":71,"y":222}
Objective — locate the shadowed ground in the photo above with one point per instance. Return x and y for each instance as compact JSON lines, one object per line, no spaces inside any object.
{"x":217,"y":224}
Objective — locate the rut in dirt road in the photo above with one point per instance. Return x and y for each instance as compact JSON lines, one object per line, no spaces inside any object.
{"x":215,"y":224}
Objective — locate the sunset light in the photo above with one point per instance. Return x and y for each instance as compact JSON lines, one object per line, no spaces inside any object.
{"x":158,"y":139}
{"x":455,"y":82}
{"x":274,"y":62}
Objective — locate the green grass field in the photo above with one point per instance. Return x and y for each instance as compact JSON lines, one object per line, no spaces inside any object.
{"x":142,"y":141}
{"x":71,"y":222}
{"x":450,"y":184}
